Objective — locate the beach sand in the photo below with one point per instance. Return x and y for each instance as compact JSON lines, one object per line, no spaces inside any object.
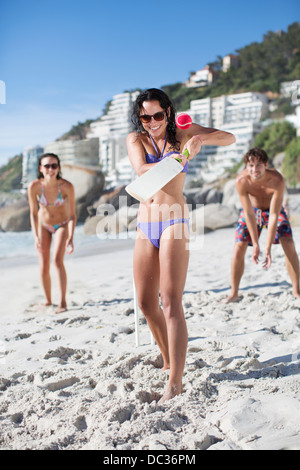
{"x":77,"y":380}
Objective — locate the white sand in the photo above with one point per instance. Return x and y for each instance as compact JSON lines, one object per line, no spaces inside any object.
{"x":78,"y":381}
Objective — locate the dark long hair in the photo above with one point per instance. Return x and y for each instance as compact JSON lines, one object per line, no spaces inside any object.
{"x":154,"y":94}
{"x":53,"y":155}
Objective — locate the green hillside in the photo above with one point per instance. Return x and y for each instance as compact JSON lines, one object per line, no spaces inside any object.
{"x":11,"y":174}
{"x":262,"y":67}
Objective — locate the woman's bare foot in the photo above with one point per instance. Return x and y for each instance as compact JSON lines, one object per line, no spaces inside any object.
{"x":61,"y":309}
{"x":41,"y":307}
{"x":231,"y":299}
{"x":171,"y":392}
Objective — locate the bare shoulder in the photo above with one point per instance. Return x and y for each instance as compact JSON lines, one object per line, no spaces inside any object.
{"x":34,"y":186}
{"x":242,"y":179}
{"x":275,"y":176}
{"x":136,"y":143}
{"x":133,"y":138}
{"x":66,"y":185}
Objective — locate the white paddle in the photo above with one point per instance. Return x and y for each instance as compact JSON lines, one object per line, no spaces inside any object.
{"x":144,"y":187}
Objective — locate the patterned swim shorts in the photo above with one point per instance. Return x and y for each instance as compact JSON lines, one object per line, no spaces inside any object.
{"x":262,"y":218}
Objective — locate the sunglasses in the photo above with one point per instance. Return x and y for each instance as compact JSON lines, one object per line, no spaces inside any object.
{"x":54,"y":166}
{"x":157,"y":117}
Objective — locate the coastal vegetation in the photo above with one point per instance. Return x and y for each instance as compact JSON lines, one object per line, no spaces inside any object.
{"x":78,"y":131}
{"x":11,"y":174}
{"x":281,"y":137}
{"x":262,"y":67}
{"x":291,"y":162}
{"x":276,"y":137}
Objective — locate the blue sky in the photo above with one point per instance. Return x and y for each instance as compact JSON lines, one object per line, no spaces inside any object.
{"x":62,"y":60}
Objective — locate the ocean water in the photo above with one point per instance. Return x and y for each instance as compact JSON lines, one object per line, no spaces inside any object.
{"x":21,"y":244}
{"x":16,"y":244}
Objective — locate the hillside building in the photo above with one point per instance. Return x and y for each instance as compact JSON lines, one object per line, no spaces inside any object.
{"x":30,"y":160}
{"x":201,"y":78}
{"x":112,"y":130}
{"x":229,"y":61}
{"x":75,"y":152}
{"x":240,"y":114}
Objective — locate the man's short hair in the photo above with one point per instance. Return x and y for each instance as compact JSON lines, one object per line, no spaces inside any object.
{"x":256,"y":153}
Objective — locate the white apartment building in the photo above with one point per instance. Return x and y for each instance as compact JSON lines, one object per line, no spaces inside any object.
{"x":30,"y":160}
{"x":112,"y":130}
{"x":228,"y":109}
{"x":240,"y":114}
{"x":229,"y":61}
{"x":80,"y":152}
{"x":122,"y":175}
{"x":65,"y":149}
{"x":202,"y":77}
{"x":290,"y":89}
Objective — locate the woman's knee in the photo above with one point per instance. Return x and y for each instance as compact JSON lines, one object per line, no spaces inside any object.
{"x":147,"y":305}
{"x":58,"y":261}
{"x":44,"y":265}
{"x":45,"y":269}
{"x":172,"y":305}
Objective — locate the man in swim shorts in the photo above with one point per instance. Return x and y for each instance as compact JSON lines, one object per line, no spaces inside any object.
{"x":261,"y":193}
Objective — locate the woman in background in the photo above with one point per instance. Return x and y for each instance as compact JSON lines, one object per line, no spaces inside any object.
{"x":161,"y":252}
{"x":52,"y":215}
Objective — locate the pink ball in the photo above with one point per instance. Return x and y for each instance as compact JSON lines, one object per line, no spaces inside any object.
{"x":183,"y":121}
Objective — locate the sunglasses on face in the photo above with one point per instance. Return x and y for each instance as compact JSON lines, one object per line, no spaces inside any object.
{"x":54,"y":166}
{"x":157,"y":117}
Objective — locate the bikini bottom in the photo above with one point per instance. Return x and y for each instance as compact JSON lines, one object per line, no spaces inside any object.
{"x":154,"y":230}
{"x":55,"y":227}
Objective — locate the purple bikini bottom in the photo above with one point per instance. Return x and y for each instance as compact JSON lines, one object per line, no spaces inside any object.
{"x":154,"y":230}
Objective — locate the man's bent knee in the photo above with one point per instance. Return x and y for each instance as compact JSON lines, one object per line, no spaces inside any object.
{"x":240,"y":248}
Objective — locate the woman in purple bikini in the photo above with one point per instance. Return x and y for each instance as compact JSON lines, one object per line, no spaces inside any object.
{"x":161,"y":252}
{"x":52,"y":214}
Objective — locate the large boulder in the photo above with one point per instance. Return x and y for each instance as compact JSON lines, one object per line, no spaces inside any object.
{"x":198,"y":196}
{"x":230,"y":195}
{"x":293,"y":208}
{"x":189,"y":195}
{"x":88,"y":181}
{"x":117,"y":197}
{"x":15,"y":217}
{"x":88,"y":184}
{"x":213,"y":217}
{"x":111,"y":221}
{"x":214,"y":196}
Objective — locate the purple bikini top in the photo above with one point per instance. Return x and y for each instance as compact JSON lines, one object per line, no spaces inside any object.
{"x":153,"y":159}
